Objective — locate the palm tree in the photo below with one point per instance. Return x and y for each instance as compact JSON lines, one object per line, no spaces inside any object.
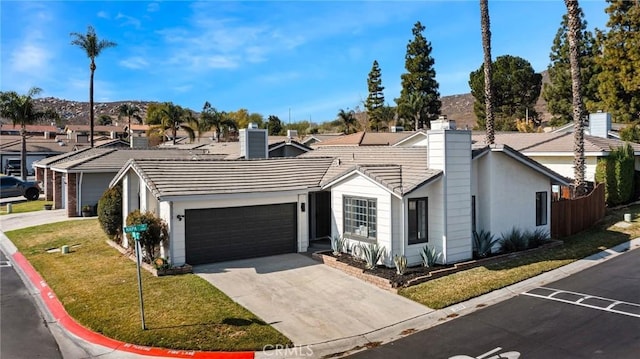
{"x":210,"y":118}
{"x":488,"y":86}
{"x":170,"y":118}
{"x":573,"y":36}
{"x":348,"y":118}
{"x":93,"y":47}
{"x":129,"y":110}
{"x":22,"y":112}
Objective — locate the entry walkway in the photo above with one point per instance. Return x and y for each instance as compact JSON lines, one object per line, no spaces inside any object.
{"x":307,"y":301}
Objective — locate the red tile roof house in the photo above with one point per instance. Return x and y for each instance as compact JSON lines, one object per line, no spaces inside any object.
{"x":402,"y":198}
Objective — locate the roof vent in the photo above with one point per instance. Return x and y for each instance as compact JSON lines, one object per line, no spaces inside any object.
{"x":252,"y":126}
{"x":292,"y":133}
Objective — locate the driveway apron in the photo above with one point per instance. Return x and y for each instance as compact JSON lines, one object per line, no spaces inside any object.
{"x":307,"y":301}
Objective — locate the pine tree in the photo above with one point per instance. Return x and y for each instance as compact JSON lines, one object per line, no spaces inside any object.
{"x":485,"y":25}
{"x":619,"y":80}
{"x":375,"y":100}
{"x":516,"y":89}
{"x":557,"y":93}
{"x":420,"y":79}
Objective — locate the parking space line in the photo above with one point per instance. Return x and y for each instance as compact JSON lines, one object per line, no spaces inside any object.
{"x":5,"y":264}
{"x":580,"y":302}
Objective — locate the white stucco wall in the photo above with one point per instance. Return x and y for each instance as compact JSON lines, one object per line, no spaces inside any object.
{"x":506,"y":196}
{"x":564,"y":164}
{"x":360,"y":186}
{"x":177,"y":231}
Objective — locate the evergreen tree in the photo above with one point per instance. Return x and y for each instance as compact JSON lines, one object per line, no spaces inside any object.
{"x":485,"y":26}
{"x":619,"y":80}
{"x":375,"y":100}
{"x":274,"y":125}
{"x":420,"y":79}
{"x":516,"y":89}
{"x":557,"y":93}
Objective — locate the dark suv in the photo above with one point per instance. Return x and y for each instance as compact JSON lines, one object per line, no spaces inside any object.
{"x":14,"y":187}
{"x":12,"y":168}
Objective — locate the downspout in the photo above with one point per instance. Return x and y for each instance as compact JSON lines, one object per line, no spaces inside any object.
{"x":171,"y":254}
{"x":79,"y":193}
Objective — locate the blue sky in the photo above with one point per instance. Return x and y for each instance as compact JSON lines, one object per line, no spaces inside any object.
{"x":301,"y":60}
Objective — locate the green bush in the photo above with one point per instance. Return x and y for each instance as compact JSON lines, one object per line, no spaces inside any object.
{"x":538,"y":237}
{"x":110,"y":213}
{"x":371,"y":253}
{"x":150,"y":240}
{"x":624,"y":170}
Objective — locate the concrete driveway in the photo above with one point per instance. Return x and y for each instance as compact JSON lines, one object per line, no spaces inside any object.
{"x":307,"y":301}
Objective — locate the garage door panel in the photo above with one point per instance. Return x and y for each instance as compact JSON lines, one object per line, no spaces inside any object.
{"x":222,"y":234}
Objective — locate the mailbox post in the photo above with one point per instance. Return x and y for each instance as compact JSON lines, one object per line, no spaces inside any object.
{"x":135,"y":233}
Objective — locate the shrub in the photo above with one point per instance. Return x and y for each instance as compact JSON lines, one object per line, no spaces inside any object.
{"x":338,"y":244}
{"x":483,"y":242}
{"x":429,"y":256}
{"x":150,"y":239}
{"x":110,"y":212}
{"x":514,"y":241}
{"x":624,"y":170}
{"x":371,"y":253}
{"x":538,"y":237}
{"x":401,"y":264}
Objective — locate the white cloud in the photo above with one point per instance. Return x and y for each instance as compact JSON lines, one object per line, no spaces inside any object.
{"x":153,"y":7}
{"x":135,"y":62}
{"x":128,"y":20}
{"x":103,"y":14}
{"x":29,"y":58}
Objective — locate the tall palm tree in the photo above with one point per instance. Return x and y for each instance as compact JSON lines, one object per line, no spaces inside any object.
{"x":210,"y":118}
{"x":129,"y":110}
{"x":172,"y":117}
{"x":488,"y":86}
{"x":573,"y":36}
{"x":22,"y":112}
{"x":348,"y":119}
{"x":90,"y":43}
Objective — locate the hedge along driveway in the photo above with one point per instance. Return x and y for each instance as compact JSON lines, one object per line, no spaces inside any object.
{"x":98,"y":288}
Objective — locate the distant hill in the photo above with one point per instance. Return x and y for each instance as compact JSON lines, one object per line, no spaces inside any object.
{"x":456,"y":107}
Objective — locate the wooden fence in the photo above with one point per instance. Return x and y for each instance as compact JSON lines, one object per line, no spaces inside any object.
{"x":570,"y":216}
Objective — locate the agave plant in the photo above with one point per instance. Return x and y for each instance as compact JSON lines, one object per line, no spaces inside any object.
{"x":400,"y":263}
{"x":514,"y":241}
{"x":538,"y":237}
{"x":483,"y":242}
{"x":338,"y":244}
{"x":371,"y":253}
{"x":429,"y":256}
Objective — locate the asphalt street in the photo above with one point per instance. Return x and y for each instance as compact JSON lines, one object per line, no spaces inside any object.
{"x":592,"y":314}
{"x":23,"y":332}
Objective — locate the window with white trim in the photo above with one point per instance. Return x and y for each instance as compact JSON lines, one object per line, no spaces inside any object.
{"x":360,"y":217}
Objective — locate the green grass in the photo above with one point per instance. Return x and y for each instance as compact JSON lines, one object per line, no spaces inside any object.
{"x":27,"y":206}
{"x":458,"y":287}
{"x":98,"y":287}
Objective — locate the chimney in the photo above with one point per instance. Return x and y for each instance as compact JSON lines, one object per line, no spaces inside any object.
{"x":113,"y":135}
{"x":443,"y":124}
{"x":449,"y":150}
{"x":600,"y":124}
{"x":254,"y":142}
{"x":292,"y":134}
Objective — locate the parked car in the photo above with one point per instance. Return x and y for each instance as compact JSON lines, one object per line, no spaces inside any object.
{"x":12,"y":168}
{"x":14,"y":187}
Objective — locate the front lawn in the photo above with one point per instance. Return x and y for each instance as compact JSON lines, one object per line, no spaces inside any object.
{"x":26,"y":206}
{"x":98,"y":287}
{"x":458,"y":287}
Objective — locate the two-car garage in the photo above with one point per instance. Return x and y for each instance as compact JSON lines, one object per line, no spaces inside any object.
{"x":230,"y":233}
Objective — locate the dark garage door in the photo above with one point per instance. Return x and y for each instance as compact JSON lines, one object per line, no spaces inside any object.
{"x":222,"y":234}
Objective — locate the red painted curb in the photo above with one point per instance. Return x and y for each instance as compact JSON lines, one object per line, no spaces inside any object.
{"x":66,"y":321}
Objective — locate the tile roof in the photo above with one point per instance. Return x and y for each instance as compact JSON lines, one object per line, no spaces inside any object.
{"x":529,"y":143}
{"x":400,"y":169}
{"x":30,"y":128}
{"x":167,"y":178}
{"x":366,"y":139}
{"x":47,"y":162}
{"x":112,"y":159}
{"x":34,"y":144}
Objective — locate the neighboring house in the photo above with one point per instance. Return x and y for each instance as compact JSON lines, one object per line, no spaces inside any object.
{"x":555,"y":150}
{"x":38,"y":147}
{"x":402,"y":198}
{"x":80,"y":133}
{"x":313,"y":139}
{"x":366,"y":139}
{"x":74,"y":180}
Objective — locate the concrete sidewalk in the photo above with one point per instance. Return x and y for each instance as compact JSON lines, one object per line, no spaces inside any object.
{"x":88,"y":346}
